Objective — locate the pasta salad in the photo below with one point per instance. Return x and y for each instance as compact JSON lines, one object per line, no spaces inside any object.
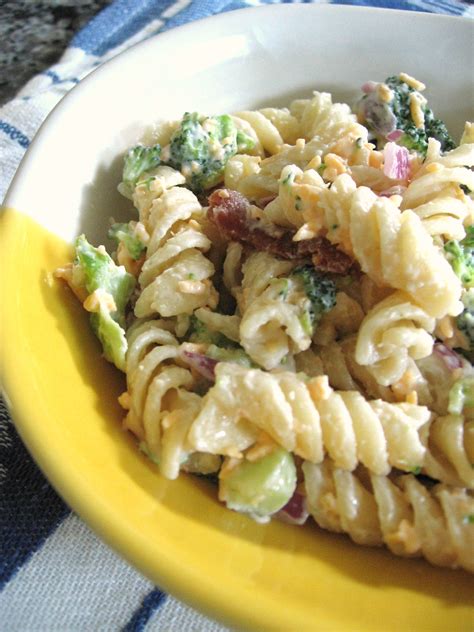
{"x":292,"y":303}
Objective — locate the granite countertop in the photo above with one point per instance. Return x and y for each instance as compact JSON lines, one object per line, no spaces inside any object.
{"x":34,"y":34}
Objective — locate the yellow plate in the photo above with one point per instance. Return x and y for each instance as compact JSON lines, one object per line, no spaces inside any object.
{"x":62,"y":394}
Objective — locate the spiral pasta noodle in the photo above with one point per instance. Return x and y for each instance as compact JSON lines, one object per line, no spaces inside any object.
{"x":435,"y":193}
{"x":331,"y":127}
{"x":312,"y":128}
{"x":271,"y":325}
{"x":394,"y":330}
{"x":309,"y":419}
{"x":451,"y":451}
{"x":146,"y":193}
{"x":409,"y":518}
{"x":269,"y":128}
{"x":175,"y":278}
{"x":344,"y":373}
{"x":394,"y":249}
{"x":160,"y":404}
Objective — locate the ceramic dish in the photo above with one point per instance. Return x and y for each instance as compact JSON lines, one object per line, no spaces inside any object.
{"x":62,"y":394}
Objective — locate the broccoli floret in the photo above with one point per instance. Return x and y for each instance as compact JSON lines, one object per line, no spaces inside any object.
{"x":244,"y":142}
{"x":465,"y":322}
{"x":97,"y":271}
{"x":139,"y":160}
{"x":201,"y":147}
{"x":219,"y":347}
{"x":461,"y":396}
{"x":125,"y":233}
{"x":460,"y":255}
{"x":384,"y":117}
{"x":435,"y":128}
{"x":199,"y":333}
{"x":321,"y":292}
{"x":234,"y":354}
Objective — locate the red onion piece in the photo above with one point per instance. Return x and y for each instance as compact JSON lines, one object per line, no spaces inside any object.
{"x":396,"y":162}
{"x":369,"y":86}
{"x":395,"y":135}
{"x":450,"y":358}
{"x":204,"y":365}
{"x":294,"y":512}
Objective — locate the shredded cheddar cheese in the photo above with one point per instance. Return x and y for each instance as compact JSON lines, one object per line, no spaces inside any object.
{"x":412,"y":82}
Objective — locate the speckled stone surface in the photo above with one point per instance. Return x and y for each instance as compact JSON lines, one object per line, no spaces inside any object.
{"x":33,"y":35}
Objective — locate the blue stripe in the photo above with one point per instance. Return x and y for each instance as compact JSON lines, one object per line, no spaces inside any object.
{"x":31,"y":509}
{"x":199,"y":10}
{"x":148,"y":607}
{"x":14,"y":133}
{"x":117,"y":23}
{"x":52,"y":75}
{"x":55,"y":78}
{"x":452,"y":8}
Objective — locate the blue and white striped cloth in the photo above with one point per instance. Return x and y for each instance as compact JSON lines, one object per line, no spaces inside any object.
{"x":54,"y":573}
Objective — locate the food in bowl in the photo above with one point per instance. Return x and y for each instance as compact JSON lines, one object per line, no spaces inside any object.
{"x":292,"y":305}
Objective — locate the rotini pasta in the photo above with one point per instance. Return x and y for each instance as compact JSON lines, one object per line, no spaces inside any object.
{"x":451,"y":451}
{"x":175,"y":278}
{"x":271,"y":324}
{"x":160,"y":406}
{"x":332,"y":125}
{"x":309,"y":418}
{"x":392,"y":332}
{"x":409,"y":518}
{"x":436,"y":194}
{"x":322,"y":126}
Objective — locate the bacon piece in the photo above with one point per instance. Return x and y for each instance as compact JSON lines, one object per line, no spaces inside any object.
{"x":230,"y":212}
{"x":330,"y":259}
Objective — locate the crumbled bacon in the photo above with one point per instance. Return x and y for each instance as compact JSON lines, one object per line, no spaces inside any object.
{"x":230,"y":212}
{"x":330,"y":259}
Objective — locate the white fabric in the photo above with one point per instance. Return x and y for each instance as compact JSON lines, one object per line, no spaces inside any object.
{"x":76,"y":583}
